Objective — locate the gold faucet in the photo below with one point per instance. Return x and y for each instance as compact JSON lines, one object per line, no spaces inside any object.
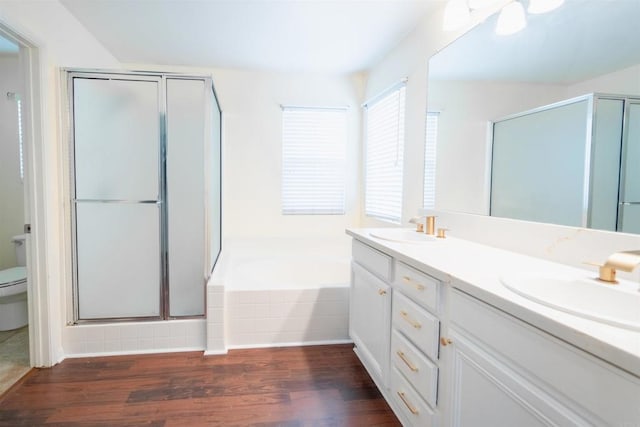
{"x":430,"y":221}
{"x":417,"y":220}
{"x":431,"y":225}
{"x":624,"y":260}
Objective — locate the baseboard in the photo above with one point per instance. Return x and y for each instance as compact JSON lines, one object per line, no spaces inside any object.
{"x":215,"y":352}
{"x":133,"y":352}
{"x":288,"y":344}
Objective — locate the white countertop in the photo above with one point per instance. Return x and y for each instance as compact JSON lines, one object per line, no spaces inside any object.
{"x":476,"y":269}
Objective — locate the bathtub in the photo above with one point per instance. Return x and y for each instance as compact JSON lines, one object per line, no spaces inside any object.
{"x":280,"y":292}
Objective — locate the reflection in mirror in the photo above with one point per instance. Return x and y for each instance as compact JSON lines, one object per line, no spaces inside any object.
{"x":584,"y":47}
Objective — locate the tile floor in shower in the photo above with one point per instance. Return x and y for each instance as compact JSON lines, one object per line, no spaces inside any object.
{"x":14,"y":356}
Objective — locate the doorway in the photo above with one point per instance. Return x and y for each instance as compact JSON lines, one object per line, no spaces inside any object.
{"x":14,"y":329}
{"x":24,"y":104}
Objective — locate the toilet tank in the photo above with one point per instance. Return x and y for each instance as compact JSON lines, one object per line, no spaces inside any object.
{"x":20,"y":242}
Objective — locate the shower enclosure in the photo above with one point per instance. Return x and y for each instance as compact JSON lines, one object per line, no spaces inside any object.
{"x":145,"y":194}
{"x":572,"y":163}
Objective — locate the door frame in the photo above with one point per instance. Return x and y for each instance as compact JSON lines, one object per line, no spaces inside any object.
{"x":41,"y":342}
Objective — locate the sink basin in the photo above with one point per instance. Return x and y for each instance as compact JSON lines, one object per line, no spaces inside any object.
{"x":402,"y":235}
{"x":617,"y":305}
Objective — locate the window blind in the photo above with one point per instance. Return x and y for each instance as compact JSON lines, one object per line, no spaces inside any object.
{"x":313,"y":161}
{"x":384,"y":154}
{"x":431,"y":139}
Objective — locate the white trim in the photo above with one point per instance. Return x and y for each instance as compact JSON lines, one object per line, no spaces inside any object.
{"x":310,"y":107}
{"x":215,"y":352}
{"x":289,"y":344}
{"x":126,"y":353}
{"x":42,"y":351}
{"x":384,"y":92}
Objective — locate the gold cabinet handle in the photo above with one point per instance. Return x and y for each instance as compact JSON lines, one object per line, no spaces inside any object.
{"x":411,"y":408}
{"x":445,"y":341}
{"x":382,"y":292}
{"x":406,"y":361}
{"x":409,"y":281}
{"x":409,"y":320}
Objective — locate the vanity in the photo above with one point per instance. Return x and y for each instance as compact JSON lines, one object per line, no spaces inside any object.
{"x":449,"y":343}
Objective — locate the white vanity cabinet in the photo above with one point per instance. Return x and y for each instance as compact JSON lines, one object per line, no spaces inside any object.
{"x":395,"y":328}
{"x":504,"y":372}
{"x":370,"y":309}
{"x":415,"y":333}
{"x":442,"y":355}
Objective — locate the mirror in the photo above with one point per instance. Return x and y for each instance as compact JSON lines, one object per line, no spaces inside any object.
{"x":583,"y":47}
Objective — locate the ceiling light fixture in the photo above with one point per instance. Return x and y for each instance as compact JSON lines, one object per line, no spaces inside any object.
{"x":543,"y":6}
{"x":456,"y":15}
{"x":511,"y":19}
{"x":481,"y":4}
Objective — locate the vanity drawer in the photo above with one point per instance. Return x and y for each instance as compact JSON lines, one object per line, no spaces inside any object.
{"x":417,"y":369}
{"x":373,"y":260}
{"x":420,"y":287}
{"x":413,"y":410}
{"x":421,"y":327}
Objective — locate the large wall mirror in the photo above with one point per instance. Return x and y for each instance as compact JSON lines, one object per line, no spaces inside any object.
{"x":544,"y":124}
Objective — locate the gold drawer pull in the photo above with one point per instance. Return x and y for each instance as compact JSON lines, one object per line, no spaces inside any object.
{"x":445,"y":341}
{"x":382,"y":292}
{"x":412,"y":322}
{"x":407,"y":280}
{"x":404,"y":359}
{"x":413,"y":410}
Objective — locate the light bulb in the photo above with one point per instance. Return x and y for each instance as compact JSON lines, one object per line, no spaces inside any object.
{"x":456,"y":15}
{"x":511,"y":19}
{"x":481,"y":4}
{"x":542,"y":6}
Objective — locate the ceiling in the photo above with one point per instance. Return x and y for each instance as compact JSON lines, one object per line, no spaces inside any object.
{"x":580,"y":40}
{"x":328,"y":36}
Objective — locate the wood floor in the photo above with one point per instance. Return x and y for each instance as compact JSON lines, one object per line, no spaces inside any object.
{"x":295,"y":386}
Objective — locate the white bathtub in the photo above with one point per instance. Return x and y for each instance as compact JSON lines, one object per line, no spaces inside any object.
{"x":285,"y":292}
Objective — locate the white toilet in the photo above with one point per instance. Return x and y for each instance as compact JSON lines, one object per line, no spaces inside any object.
{"x":13,"y":290}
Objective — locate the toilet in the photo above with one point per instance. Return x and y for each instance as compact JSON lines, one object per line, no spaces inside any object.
{"x":13,"y":290}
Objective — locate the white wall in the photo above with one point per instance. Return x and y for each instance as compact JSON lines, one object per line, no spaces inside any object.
{"x":464,"y":148}
{"x":622,"y":82}
{"x":62,"y":42}
{"x":253,"y":150}
{"x":11,"y":189}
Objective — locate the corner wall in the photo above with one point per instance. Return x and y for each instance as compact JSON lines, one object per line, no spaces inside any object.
{"x":567,"y":245}
{"x":410,"y":59}
{"x":252,"y":151}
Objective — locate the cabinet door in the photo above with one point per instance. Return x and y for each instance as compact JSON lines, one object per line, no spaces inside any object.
{"x":485,"y":391}
{"x":369,"y":320}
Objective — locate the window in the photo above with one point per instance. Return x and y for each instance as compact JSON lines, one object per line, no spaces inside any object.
{"x":430,"y":142}
{"x":384,"y":152}
{"x":16,"y":97}
{"x":313,"y":161}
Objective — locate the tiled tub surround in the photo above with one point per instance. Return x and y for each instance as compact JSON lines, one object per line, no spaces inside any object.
{"x":469,"y":275}
{"x":282,"y":292}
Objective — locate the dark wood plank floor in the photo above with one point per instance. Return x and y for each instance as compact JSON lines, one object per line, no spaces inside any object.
{"x":295,"y":386}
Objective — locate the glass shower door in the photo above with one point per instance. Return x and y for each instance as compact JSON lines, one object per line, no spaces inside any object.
{"x":629,"y":215}
{"x":117,"y":201}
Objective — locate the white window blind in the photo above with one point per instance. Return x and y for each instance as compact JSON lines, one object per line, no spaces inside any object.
{"x":313,"y":161}
{"x":384,"y":155}
{"x":430,"y":143}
